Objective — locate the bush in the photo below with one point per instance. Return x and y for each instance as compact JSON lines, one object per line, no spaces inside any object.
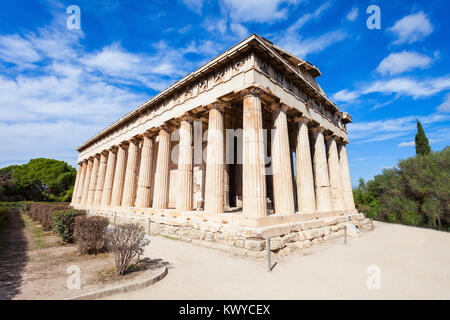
{"x":126,"y":241}
{"x":90,"y":233}
{"x":43,"y":213}
{"x":64,"y":223}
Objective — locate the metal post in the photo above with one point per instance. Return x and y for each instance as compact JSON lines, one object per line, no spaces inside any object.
{"x":115,"y":214}
{"x":371,"y":222}
{"x":345,"y":235}
{"x":269,"y":262}
{"x":149,"y":222}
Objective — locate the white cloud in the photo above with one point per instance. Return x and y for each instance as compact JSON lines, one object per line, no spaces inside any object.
{"x":303,"y":47}
{"x":17,"y":50}
{"x":407,"y":144}
{"x":256,"y":10}
{"x":345,"y":96}
{"x":239,"y":30}
{"x":386,"y":129}
{"x":352,"y":15}
{"x":194,"y":5}
{"x":308,"y":17}
{"x":412,"y":28}
{"x":445,"y":106}
{"x":396,"y":63}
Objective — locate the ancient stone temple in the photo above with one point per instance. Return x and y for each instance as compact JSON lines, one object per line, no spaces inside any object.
{"x":244,"y":148}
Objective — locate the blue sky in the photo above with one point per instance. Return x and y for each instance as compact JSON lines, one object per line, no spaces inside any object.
{"x":58,"y":87}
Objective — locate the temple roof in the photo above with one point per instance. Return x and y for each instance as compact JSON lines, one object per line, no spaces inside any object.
{"x":291,"y":64}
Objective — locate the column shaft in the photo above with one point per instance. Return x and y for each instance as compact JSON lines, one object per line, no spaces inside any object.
{"x":349,"y":202}
{"x":93,"y":181}
{"x":253,"y":168}
{"x":304,"y":172}
{"x":87,"y":181}
{"x":334,"y":170}
{"x":281,"y":164}
{"x":100,"y":179}
{"x":109,"y":177}
{"x":321,"y":177}
{"x":185,"y":162}
{"x":129,"y":188}
{"x":145,"y":174}
{"x":75,"y":186}
{"x":119,"y":176}
{"x":161,"y":189}
{"x":81,"y":183}
{"x":215,"y":163}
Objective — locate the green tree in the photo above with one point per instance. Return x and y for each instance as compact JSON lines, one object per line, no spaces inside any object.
{"x":39,"y":180}
{"x":422,"y":145}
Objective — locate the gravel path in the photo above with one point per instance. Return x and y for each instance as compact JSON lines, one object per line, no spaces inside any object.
{"x":414,"y":263}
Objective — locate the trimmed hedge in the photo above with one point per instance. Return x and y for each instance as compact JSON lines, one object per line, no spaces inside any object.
{"x":64,"y":223}
{"x":43,"y":213}
{"x":90,"y":233}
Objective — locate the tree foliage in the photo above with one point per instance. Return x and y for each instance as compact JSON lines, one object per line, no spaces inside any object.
{"x":39,"y":180}
{"x":422,"y":145}
{"x":416,"y":192}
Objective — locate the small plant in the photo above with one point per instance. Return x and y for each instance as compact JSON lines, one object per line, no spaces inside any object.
{"x":90,"y":233}
{"x":64,"y":223}
{"x":126,"y":241}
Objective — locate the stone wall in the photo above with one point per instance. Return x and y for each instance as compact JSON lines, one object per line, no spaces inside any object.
{"x":240,"y":240}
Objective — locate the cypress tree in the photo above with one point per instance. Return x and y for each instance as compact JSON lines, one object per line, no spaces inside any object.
{"x":422,"y":146}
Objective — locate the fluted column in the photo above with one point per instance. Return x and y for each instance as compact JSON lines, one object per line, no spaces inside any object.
{"x":304,"y":172}
{"x":145,"y":174}
{"x":283,"y":191}
{"x":215,"y":161}
{"x":81,"y":183}
{"x":320,"y":169}
{"x":129,"y":188}
{"x":93,"y":180}
{"x":161,"y":189}
{"x":334,"y":171}
{"x":349,"y":202}
{"x":253,"y":168}
{"x":75,"y":186}
{"x":109,"y":177}
{"x":87,"y":181}
{"x":185,"y":161}
{"x":100,"y":179}
{"x":119,"y":176}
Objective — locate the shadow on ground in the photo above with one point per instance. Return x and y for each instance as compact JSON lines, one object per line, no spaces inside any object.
{"x":147,"y":264}
{"x":13,"y":255}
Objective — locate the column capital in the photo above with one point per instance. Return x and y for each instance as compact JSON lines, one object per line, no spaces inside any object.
{"x":318,"y":129}
{"x":188,"y":118}
{"x":113,"y":149}
{"x":218,"y":105}
{"x":302,"y":119}
{"x":331,"y":136}
{"x":124,"y":144}
{"x":164,"y":127}
{"x":252,"y":91}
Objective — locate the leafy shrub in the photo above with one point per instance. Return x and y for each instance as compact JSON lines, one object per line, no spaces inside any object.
{"x":64,"y":223}
{"x":90,"y":233}
{"x":126,"y":241}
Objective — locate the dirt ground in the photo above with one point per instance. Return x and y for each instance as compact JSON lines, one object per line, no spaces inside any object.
{"x":392,"y":262}
{"x":34,"y":265}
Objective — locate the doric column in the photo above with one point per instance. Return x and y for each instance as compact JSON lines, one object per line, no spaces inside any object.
{"x":129,"y":188}
{"x":93,"y":180}
{"x":283,"y":192}
{"x":75,"y":186}
{"x":87,"y":181}
{"x":321,"y":178}
{"x":253,"y":168}
{"x":80,"y":190}
{"x":109,"y":177}
{"x":185,"y":162}
{"x":334,"y":171}
{"x":215,"y":161}
{"x":349,"y":203}
{"x":145,"y":174}
{"x":119,"y":175}
{"x":304,"y":172}
{"x":161,"y":189}
{"x":100,"y":179}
